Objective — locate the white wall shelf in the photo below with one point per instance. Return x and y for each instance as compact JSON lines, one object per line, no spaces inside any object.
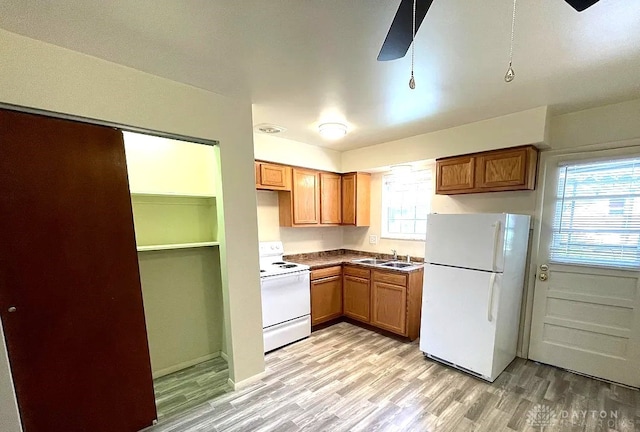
{"x":171,"y":195}
{"x":176,"y":246}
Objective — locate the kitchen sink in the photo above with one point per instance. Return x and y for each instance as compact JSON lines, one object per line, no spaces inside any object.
{"x":388,"y":264}
{"x":397,"y":264}
{"x":371,"y":261}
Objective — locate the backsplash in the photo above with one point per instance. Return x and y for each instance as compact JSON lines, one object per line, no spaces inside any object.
{"x":334,"y":252}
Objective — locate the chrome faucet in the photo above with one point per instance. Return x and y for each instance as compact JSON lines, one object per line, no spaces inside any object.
{"x":395,"y":254}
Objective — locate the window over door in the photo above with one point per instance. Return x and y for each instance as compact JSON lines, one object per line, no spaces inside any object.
{"x":597,"y":214}
{"x":406,"y":202}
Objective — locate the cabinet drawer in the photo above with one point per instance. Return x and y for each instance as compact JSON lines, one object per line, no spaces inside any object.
{"x":391,"y":278}
{"x":357,"y":272}
{"x":326,"y":272}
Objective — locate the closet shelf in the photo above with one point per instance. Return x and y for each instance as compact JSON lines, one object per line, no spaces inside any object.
{"x":176,"y":246}
{"x":172,"y":195}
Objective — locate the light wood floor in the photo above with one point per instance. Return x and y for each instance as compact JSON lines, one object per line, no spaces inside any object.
{"x":191,"y":387}
{"x":345,"y":378}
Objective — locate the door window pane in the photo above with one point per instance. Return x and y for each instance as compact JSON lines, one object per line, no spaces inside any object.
{"x":597,"y":214}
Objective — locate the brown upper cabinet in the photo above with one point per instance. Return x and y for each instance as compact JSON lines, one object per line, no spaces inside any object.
{"x":509,"y":169}
{"x":301,"y":206}
{"x":356,"y":199}
{"x":330,"y":198}
{"x":317,"y":198}
{"x":272,"y":177}
{"x":455,"y":174}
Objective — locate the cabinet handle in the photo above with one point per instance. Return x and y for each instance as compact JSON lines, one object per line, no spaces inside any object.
{"x":12,"y":309}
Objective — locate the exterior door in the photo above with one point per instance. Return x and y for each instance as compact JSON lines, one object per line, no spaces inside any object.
{"x":70,"y":297}
{"x":586,"y":312}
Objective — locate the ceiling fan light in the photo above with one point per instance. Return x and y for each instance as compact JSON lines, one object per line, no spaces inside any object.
{"x":332,"y":131}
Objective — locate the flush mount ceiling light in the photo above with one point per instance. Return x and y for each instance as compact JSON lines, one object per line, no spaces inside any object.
{"x":332,"y":131}
{"x":269,"y":128}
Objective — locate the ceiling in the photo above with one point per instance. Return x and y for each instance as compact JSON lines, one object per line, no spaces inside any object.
{"x":304,"y":62}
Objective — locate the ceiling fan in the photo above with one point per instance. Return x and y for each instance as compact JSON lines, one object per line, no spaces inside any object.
{"x":400,"y":34}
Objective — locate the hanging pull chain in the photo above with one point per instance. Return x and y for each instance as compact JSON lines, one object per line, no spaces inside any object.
{"x":510,"y":75}
{"x":412,"y":81}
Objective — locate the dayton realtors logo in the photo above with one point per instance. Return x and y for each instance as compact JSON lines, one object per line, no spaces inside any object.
{"x":542,"y":416}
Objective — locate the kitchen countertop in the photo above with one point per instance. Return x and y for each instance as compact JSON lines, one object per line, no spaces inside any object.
{"x":318,"y":260}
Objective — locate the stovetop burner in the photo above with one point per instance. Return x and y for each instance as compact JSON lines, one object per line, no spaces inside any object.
{"x":262,"y":271}
{"x":279,"y":262}
{"x":289,"y":265}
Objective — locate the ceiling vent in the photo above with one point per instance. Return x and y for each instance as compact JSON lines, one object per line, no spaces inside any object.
{"x":269,"y":128}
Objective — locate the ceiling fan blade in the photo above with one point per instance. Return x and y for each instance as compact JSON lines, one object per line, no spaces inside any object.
{"x":581,"y":5}
{"x":400,"y":34}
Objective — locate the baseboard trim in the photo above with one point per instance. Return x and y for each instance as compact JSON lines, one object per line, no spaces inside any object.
{"x":224,"y":356}
{"x":184,"y":365}
{"x":245,"y":383}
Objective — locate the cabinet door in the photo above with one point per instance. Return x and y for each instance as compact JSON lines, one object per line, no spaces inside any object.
{"x":390,"y":307}
{"x":506,"y":169}
{"x":349,"y":199}
{"x":330,"y":198}
{"x":455,"y":174}
{"x":306,"y":197}
{"x":326,"y":299}
{"x":357,"y":298}
{"x":356,"y":199}
{"x":77,"y":340}
{"x":274,"y":176}
{"x":257,"y":174}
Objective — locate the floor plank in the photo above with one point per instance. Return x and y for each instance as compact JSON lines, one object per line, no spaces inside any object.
{"x":345,"y":378}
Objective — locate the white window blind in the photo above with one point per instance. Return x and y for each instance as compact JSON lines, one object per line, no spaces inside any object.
{"x":597,"y":214}
{"x":406,"y":202}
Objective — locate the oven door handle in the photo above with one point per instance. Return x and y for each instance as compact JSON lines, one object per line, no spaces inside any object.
{"x":297,"y":275}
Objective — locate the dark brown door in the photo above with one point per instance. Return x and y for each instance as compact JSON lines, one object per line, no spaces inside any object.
{"x":77,"y":341}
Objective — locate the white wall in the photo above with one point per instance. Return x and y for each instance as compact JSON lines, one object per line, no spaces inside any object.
{"x":289,"y":152}
{"x":605,"y":124}
{"x":526,"y":127}
{"x":40,"y":75}
{"x":294,"y":240}
{"x":183,"y":307}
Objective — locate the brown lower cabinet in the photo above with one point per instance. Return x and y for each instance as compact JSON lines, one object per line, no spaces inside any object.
{"x":389,"y":307}
{"x":389,"y":300}
{"x":326,"y":295}
{"x":356,"y":298}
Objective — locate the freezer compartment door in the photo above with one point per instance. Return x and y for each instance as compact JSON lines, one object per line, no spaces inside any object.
{"x":459,"y":316}
{"x":472,"y":241}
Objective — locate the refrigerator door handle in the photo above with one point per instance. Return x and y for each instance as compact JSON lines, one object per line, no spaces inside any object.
{"x":496,"y":239}
{"x":492,"y":282}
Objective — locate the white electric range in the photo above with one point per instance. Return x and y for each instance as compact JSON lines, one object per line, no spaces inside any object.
{"x":286,"y":298}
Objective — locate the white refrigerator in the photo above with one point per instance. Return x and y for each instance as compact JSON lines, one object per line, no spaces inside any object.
{"x":473,"y":283}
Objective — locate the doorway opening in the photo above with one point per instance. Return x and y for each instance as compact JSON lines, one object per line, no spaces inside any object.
{"x":173,"y":197}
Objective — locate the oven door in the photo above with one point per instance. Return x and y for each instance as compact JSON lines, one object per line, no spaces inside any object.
{"x":285,"y":297}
